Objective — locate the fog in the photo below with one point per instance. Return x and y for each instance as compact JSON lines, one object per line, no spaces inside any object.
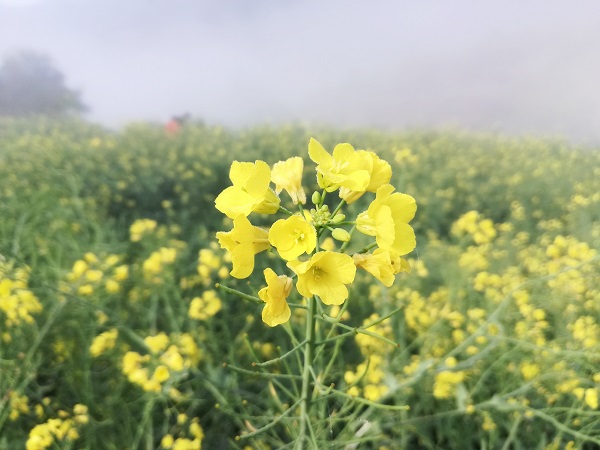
{"x":508,"y":66}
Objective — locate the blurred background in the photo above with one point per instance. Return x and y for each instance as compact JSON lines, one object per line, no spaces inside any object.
{"x":507,"y":66}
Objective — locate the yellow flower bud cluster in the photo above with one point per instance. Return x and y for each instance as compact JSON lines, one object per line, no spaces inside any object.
{"x":185,"y":435}
{"x":141,"y":227}
{"x":104,"y":342}
{"x":58,"y":432}
{"x":445,"y":383}
{"x":18,"y":404}
{"x":472,"y":223}
{"x":94,"y":273}
{"x":17,"y":302}
{"x":204,"y":307}
{"x":320,"y":272}
{"x":210,"y":262}
{"x":154,"y":265}
{"x":169,"y":358}
{"x":368,"y":379}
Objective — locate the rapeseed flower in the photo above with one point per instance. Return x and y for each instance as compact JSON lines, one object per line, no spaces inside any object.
{"x":325,"y":274}
{"x":292,"y":237}
{"x":382,"y":264}
{"x":387,"y":219}
{"x":243,"y":242}
{"x":380,"y":173}
{"x":288,"y":175}
{"x":345,"y":168}
{"x":250,"y":191}
{"x":103,"y":342}
{"x":205,"y":307}
{"x":276,"y":310}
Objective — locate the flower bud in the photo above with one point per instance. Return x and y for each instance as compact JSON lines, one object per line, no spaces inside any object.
{"x":316,"y":197}
{"x":338,"y":218}
{"x":340,"y":234}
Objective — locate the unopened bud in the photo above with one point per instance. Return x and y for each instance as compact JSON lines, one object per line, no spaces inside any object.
{"x":340,"y":234}
{"x":338,"y":218}
{"x":316,"y":197}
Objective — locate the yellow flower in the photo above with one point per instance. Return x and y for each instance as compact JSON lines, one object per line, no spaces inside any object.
{"x":325,"y":274}
{"x":121,"y":273}
{"x":345,"y":168}
{"x":387,"y":219}
{"x":288,"y":175}
{"x":103,"y":342}
{"x":382,"y":264}
{"x":292,"y":237}
{"x":161,"y":374}
{"x":203,"y":308}
{"x":380,"y":173}
{"x":591,"y":398}
{"x":243,"y":242}
{"x":167,"y":441}
{"x":250,"y":191}
{"x":276,"y":310}
{"x":157,"y":343}
{"x":446,"y":382}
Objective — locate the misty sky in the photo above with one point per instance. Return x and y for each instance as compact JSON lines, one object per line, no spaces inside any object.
{"x":514,"y":66}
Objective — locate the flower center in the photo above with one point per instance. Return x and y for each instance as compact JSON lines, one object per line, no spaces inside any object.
{"x":299,"y":236}
{"x":317,"y":273}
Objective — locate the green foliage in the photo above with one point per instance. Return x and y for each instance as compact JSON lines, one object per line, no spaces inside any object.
{"x":497,"y":326}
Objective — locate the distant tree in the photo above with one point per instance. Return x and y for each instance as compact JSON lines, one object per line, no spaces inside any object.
{"x":30,"y":84}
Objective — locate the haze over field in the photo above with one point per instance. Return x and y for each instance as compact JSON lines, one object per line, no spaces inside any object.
{"x":522,"y":67}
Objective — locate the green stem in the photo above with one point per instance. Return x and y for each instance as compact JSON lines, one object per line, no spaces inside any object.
{"x":345,"y":244}
{"x":239,"y":293}
{"x":306,"y":391}
{"x":287,"y":211}
{"x":368,"y":247}
{"x":323,"y":194}
{"x":279,"y":358}
{"x":270,"y":425}
{"x":337,"y":208}
{"x":358,"y":330}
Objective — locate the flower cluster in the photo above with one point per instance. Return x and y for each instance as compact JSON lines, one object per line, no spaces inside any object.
{"x":17,"y":302}
{"x":169,"y":357}
{"x":58,"y":431}
{"x":319,"y":272}
{"x":186,"y":434}
{"x":472,"y":223}
{"x":96,"y":273}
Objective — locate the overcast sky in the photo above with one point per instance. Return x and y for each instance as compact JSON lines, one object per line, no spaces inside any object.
{"x":504,"y":65}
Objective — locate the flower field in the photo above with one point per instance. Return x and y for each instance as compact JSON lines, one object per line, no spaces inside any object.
{"x":252,"y":289}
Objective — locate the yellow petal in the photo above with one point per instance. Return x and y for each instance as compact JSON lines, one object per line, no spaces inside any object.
{"x":384,"y":224}
{"x":318,"y":154}
{"x":233,"y":201}
{"x":403,"y":207}
{"x":405,"y":241}
{"x":340,"y":265}
{"x":242,"y":257}
{"x":258,"y":183}
{"x":240,"y":173}
{"x":329,"y":289}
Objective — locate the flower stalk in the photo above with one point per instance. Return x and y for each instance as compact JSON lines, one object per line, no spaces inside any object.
{"x":306,"y":391}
